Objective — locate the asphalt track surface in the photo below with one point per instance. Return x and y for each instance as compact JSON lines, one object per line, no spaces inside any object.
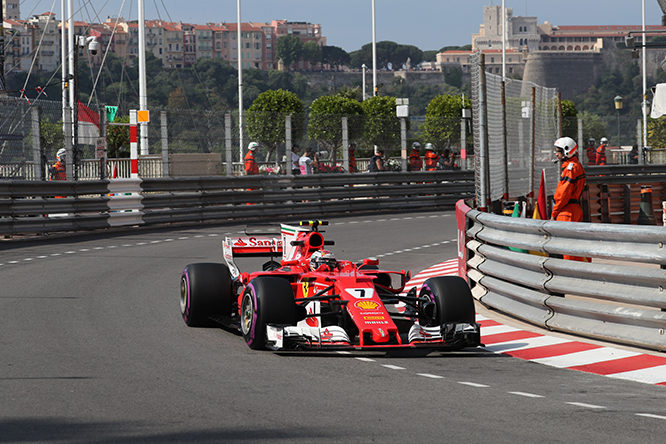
{"x":93,"y":350}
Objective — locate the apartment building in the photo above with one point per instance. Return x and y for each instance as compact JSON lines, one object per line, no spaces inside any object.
{"x":46,"y":38}
{"x":176,"y":44}
{"x":18,"y":46}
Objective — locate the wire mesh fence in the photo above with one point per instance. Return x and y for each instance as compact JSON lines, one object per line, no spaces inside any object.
{"x":516,"y":125}
{"x":201,"y":143}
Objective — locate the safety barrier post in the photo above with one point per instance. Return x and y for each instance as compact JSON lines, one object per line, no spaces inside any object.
{"x":165,"y":144}
{"x":38,"y":167}
{"x":134,"y":155}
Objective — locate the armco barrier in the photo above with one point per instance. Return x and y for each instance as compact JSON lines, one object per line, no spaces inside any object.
{"x":620,"y":296}
{"x":29,"y":207}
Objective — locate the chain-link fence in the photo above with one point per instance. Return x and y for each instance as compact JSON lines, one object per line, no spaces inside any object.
{"x":515,"y":125}
{"x":203,"y":143}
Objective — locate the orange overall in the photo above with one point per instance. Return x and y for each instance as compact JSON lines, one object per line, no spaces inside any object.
{"x":251,"y":167}
{"x":431,"y":160}
{"x":415,"y":162}
{"x":566,"y":205}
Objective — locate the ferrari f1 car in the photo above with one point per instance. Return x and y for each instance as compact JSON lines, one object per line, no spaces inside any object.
{"x":310,"y":300}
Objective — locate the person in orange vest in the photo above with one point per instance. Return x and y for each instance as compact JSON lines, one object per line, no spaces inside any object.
{"x":352,"y":159}
{"x":415,"y":162}
{"x":566,"y":202}
{"x":58,"y":170}
{"x":591,"y":152}
{"x":431,"y":158}
{"x":251,"y":167}
{"x":601,"y":152}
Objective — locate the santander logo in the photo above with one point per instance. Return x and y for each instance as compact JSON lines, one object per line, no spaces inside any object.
{"x":256,"y":242}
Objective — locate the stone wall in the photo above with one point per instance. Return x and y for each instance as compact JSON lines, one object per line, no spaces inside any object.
{"x":339,"y":79}
{"x":569,"y":72}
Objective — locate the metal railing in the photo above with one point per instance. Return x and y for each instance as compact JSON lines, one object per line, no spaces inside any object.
{"x":618,"y":297}
{"x":31,"y":207}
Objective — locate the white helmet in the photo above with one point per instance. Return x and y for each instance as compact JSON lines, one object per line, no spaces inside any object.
{"x":567,"y":145}
{"x":430,"y":146}
{"x":416,"y":145}
{"x":62,"y":153}
{"x":253,"y":146}
{"x":322,"y":257}
{"x":604,"y":140}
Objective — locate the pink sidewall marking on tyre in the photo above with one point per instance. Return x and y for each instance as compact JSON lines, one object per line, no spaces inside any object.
{"x":186,"y":315}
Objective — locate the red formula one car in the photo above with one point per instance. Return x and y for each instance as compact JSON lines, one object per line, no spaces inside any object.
{"x":310,"y":300}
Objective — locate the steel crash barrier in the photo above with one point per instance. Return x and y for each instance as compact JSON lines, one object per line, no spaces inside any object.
{"x":514,"y":265}
{"x":34,"y":207}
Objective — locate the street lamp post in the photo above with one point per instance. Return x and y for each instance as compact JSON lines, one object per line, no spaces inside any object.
{"x":618,"y":107}
{"x":364,"y":68}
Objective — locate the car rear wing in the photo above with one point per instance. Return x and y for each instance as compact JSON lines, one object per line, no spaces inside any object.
{"x":249,"y":246}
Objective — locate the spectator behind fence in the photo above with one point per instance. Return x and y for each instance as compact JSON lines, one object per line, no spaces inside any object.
{"x":633,"y":154}
{"x":446,"y":160}
{"x":295,"y":157}
{"x":307,"y":161}
{"x":377,"y":162}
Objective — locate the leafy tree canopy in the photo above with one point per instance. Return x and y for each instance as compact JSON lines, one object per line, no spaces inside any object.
{"x":442,"y":125}
{"x":289,"y":48}
{"x":325,"y":123}
{"x":382,"y":127}
{"x":266,"y":118}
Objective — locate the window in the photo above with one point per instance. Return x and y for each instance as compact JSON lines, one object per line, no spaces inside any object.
{"x":492,"y":60}
{"x":247,"y":46}
{"x":256,"y":46}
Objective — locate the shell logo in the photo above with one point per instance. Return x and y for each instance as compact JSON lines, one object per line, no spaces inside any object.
{"x":366,"y":305}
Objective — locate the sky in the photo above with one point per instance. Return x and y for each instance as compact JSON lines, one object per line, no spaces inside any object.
{"x":427,"y":24}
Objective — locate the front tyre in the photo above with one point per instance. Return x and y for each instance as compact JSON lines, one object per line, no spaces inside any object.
{"x":266,"y":300}
{"x":205,"y":291}
{"x":453,"y":301}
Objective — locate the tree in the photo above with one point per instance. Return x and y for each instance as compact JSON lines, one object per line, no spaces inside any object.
{"x":593,"y":126}
{"x":51,"y":137}
{"x":289,"y":48}
{"x":265,"y":119}
{"x":325,"y":122}
{"x":312,"y":53}
{"x":442,"y":124}
{"x":382,"y":127}
{"x":569,"y":119}
{"x":118,"y":138}
{"x":334,"y":56}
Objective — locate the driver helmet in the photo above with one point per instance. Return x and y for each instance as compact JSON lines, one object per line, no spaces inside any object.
{"x":322,"y":257}
{"x":567,"y":145}
{"x":604,"y":140}
{"x":253,"y":146}
{"x":61,"y":154}
{"x":416,"y":146}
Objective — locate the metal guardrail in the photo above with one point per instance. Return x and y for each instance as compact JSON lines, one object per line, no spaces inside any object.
{"x":619,"y":297}
{"x":33,"y":207}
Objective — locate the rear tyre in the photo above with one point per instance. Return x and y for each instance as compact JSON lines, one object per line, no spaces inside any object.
{"x":453,"y":301}
{"x":266,"y":300}
{"x":205,"y":291}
